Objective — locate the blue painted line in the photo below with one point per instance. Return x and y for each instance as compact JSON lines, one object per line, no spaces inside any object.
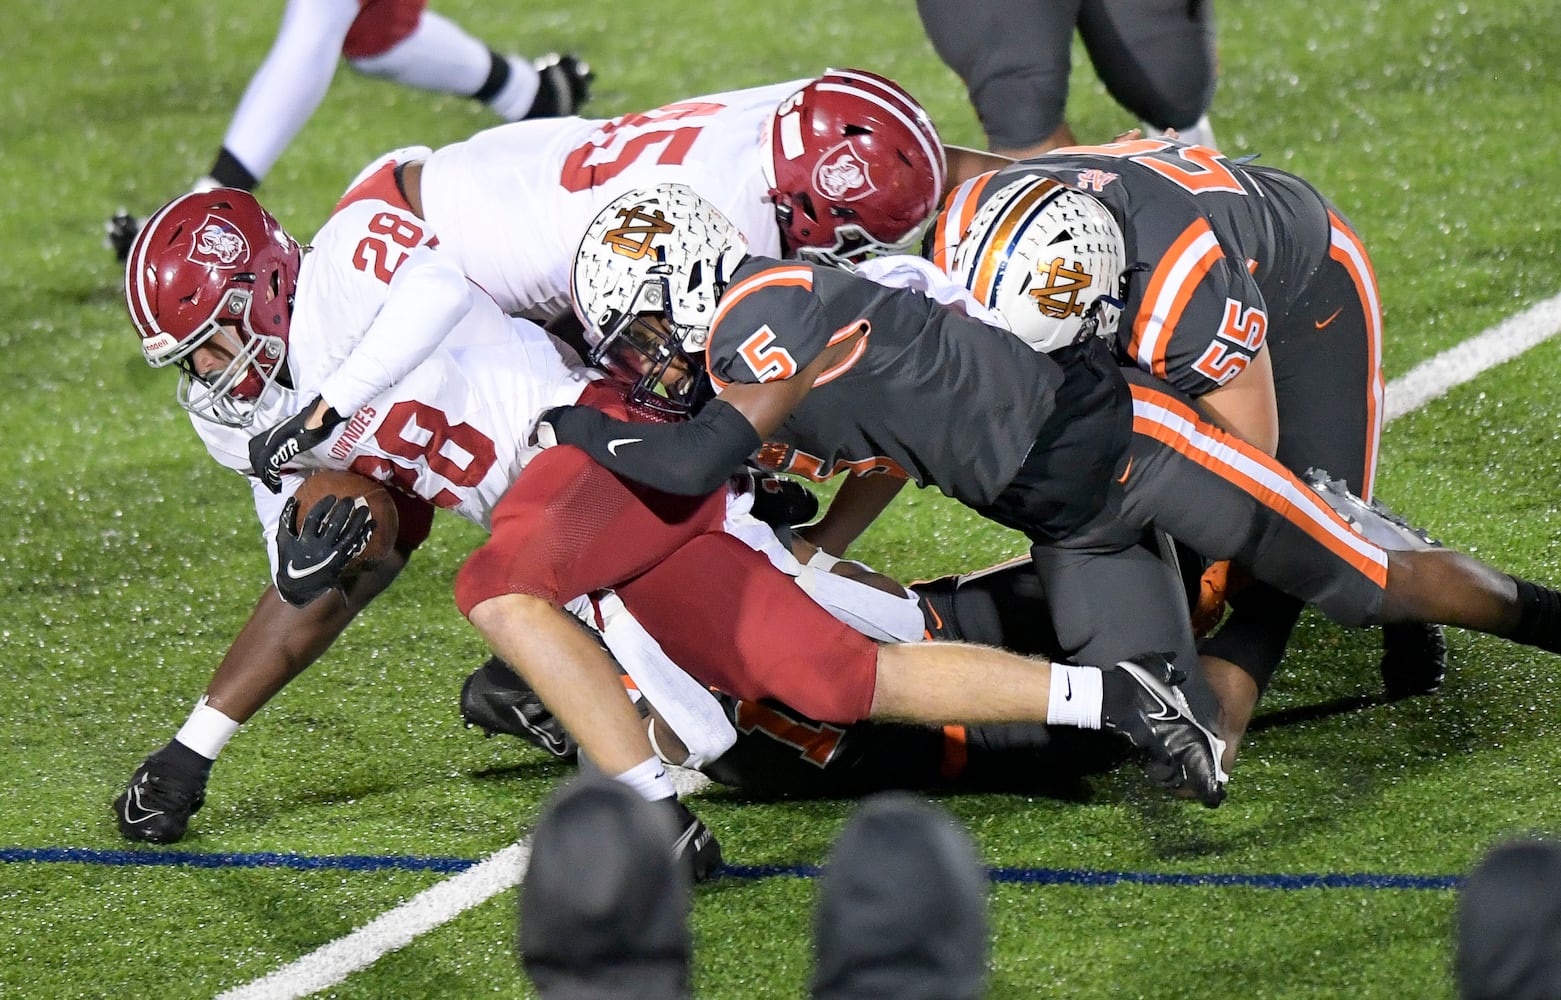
{"x":1020,"y":876}
{"x":1077,"y":876}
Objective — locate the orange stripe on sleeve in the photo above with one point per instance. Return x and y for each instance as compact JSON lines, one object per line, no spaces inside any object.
{"x":1171,"y":287}
{"x":781,"y":274}
{"x":784,"y":274}
{"x":851,"y":359}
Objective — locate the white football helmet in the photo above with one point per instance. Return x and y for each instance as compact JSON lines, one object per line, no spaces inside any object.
{"x":1048,"y":258}
{"x":645,"y":284}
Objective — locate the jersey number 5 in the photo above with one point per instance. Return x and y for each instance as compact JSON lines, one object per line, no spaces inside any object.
{"x":767,"y":362}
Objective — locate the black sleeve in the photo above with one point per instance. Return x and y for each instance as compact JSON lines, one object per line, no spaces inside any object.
{"x":689,"y":458}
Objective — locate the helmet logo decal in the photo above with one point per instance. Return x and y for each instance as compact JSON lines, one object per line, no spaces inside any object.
{"x":841,"y":174}
{"x":1059,"y":296}
{"x":218,"y":244}
{"x":633,"y":238}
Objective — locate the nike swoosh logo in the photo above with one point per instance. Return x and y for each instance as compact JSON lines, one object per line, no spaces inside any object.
{"x":301,"y":574}
{"x":1069,"y":695}
{"x":693,"y":840}
{"x":1322,"y":323}
{"x":1167,"y":711}
{"x":134,"y":798}
{"x":1126,"y":472}
{"x":616,"y":443}
{"x":553,"y":743}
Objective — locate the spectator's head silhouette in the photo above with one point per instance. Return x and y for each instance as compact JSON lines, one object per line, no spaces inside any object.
{"x":902,"y":909}
{"x":1509,"y":924}
{"x":604,"y":908}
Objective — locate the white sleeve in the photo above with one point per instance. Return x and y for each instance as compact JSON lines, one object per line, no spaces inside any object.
{"x":906,"y":271}
{"x":428,"y":296}
{"x":290,"y":83}
{"x":268,"y":507}
{"x":878,"y":615}
{"x":686,"y":705}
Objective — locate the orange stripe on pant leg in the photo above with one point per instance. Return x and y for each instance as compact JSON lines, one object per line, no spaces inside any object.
{"x":1313,"y":516}
{"x":956,"y":753}
{"x":1347,"y":248}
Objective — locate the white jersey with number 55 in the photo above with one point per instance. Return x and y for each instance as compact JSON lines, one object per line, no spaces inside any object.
{"x":510,"y":204}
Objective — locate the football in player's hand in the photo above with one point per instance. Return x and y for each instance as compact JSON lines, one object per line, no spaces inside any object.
{"x":339,"y":483}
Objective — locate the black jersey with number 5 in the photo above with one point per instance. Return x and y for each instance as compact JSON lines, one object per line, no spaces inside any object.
{"x":925,"y":391}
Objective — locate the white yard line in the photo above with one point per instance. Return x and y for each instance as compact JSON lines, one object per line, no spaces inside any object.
{"x":397,"y":928}
{"x":389,"y":931}
{"x":1453,"y":367}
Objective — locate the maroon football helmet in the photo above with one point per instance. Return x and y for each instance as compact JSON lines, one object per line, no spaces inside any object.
{"x":214,"y":263}
{"x":855,"y":167}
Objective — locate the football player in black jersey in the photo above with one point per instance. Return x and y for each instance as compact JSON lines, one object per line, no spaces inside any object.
{"x":1246,"y":289}
{"x":840,"y":373}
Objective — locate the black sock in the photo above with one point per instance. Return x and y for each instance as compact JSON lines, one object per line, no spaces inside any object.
{"x":1256,"y":632}
{"x":229,"y":172}
{"x":498,"y":76}
{"x":1539,"y":617}
{"x":182,"y":760}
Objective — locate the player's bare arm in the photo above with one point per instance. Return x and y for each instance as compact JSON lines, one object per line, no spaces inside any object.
{"x":965,"y":163}
{"x":858,"y":502}
{"x":280,"y":641}
{"x":1246,"y":406}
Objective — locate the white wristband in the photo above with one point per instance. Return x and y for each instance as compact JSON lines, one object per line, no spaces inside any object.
{"x":822,"y":561}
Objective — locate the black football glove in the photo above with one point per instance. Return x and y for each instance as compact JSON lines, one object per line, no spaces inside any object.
{"x":566,"y":425}
{"x":271,"y":449}
{"x":778,"y":501}
{"x":310,"y":561}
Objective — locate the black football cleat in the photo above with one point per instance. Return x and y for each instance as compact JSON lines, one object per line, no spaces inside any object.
{"x":604,"y":907}
{"x":563,"y":85}
{"x":163,"y":794}
{"x":495,"y":698}
{"x":1414,"y":659}
{"x":695,"y":848}
{"x":1147,"y":707}
{"x":120,"y":232}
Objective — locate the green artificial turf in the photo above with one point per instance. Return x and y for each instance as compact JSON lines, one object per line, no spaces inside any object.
{"x":128,"y":559}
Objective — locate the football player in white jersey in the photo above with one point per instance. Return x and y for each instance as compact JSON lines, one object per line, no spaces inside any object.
{"x":216,"y":288}
{"x":834,"y":168}
{"x":442,"y":408}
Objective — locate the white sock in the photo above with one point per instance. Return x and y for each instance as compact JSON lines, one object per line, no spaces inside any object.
{"x":207,"y":730}
{"x":438,"y":55}
{"x":1199,"y":133}
{"x":1075,"y":696}
{"x":649,"y":779}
